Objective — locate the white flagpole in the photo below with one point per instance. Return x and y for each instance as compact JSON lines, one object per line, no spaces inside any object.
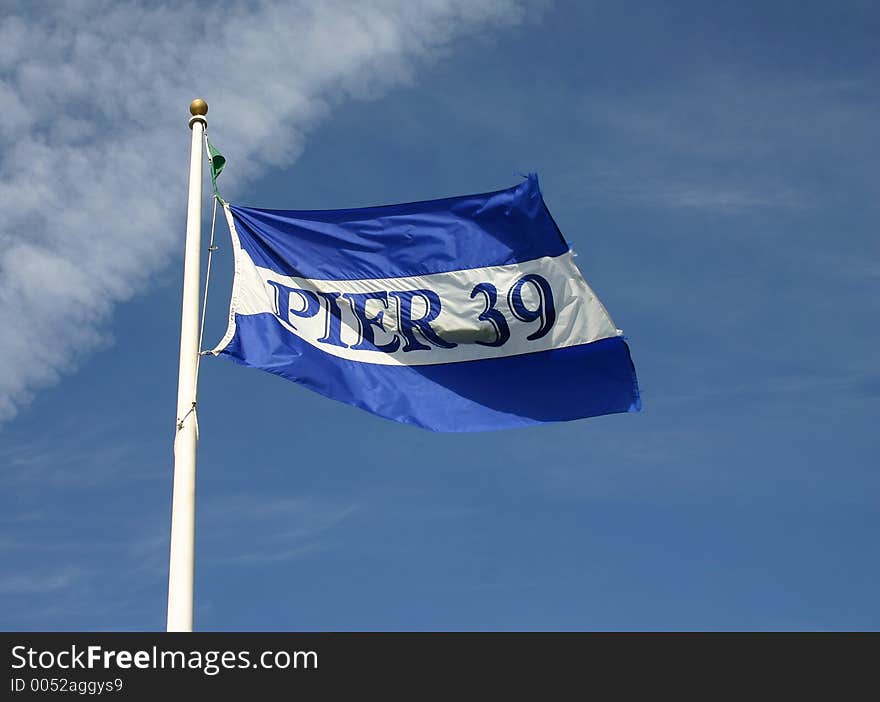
{"x":183,"y":503}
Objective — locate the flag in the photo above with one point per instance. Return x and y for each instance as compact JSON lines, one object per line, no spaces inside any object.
{"x":461,"y":314}
{"x":217,"y":163}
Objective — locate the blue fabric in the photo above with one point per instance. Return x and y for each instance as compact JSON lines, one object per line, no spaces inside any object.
{"x":562,"y":384}
{"x":417,"y":238}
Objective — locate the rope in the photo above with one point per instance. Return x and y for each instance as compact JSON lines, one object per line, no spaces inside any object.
{"x":183,"y":418}
{"x":211,"y":250}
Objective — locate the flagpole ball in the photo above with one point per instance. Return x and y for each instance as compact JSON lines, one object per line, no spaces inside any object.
{"x":198,"y":107}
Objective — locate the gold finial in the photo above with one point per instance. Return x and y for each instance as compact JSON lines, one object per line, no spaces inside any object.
{"x":198,"y":107}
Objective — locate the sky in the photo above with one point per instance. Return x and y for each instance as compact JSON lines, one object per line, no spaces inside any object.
{"x":713,"y":165}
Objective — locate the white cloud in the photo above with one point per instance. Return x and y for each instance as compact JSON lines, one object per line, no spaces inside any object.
{"x":288,"y":528}
{"x":733,"y":143}
{"x":94,"y":143}
{"x":720,"y":194}
{"x":27,"y":584}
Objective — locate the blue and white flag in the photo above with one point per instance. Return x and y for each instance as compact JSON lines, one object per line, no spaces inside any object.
{"x":461,"y":314}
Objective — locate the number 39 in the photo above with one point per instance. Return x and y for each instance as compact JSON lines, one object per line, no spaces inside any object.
{"x":545,"y":312}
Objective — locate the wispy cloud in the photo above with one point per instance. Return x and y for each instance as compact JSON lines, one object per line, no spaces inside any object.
{"x":28,"y":584}
{"x":71,"y":462}
{"x":28,"y":517}
{"x":93,"y":137}
{"x":248,"y":529}
{"x":711,"y":194}
{"x":732,"y":142}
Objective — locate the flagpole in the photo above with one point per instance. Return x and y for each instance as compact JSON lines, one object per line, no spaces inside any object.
{"x":183,"y":504}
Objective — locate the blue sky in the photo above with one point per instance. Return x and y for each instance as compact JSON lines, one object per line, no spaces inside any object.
{"x":715,"y":169}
